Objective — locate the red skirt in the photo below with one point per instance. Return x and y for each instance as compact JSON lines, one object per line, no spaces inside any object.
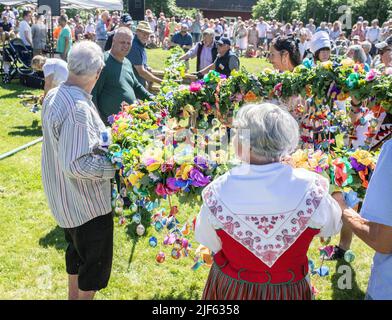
{"x":220,"y":286}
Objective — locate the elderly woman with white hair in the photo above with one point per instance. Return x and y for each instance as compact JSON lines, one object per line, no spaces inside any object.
{"x":260,"y":217}
{"x":76,"y":174}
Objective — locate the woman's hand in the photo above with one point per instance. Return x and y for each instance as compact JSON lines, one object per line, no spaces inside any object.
{"x":339,"y":197}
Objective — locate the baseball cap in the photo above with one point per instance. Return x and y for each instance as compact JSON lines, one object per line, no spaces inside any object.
{"x":224,"y":40}
{"x":126,"y":19}
{"x":382,"y":45}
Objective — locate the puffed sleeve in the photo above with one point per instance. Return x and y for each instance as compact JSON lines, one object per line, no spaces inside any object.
{"x":327,"y":218}
{"x":205,"y":232}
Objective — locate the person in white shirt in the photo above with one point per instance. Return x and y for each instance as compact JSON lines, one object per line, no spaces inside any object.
{"x":373,"y":36}
{"x":55,"y":71}
{"x":311,"y":26}
{"x":262,"y":28}
{"x":304,"y":43}
{"x":25,"y":30}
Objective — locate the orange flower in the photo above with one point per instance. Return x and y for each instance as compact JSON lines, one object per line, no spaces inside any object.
{"x":250,"y":97}
{"x":308,"y":90}
{"x":143,"y":116}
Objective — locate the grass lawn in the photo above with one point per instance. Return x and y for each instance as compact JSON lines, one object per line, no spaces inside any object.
{"x":32,"y":247}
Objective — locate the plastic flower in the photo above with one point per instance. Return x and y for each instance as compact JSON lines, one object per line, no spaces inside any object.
{"x":160,"y":190}
{"x":352,"y":80}
{"x":347,"y":62}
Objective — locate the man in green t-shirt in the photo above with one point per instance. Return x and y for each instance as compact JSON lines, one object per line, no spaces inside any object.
{"x":117,"y":82}
{"x":64,"y":43}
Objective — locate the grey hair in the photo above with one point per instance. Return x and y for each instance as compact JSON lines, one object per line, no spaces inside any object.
{"x":366,"y":44}
{"x":273,"y":132}
{"x":359,"y":53}
{"x":123,"y":30}
{"x":85,"y":58}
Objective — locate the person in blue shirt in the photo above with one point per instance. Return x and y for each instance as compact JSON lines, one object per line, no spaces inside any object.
{"x":138,"y":55}
{"x":374,"y":225}
{"x":182,"y":38}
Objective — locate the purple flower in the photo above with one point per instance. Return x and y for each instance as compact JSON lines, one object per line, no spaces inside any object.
{"x":356,"y":166}
{"x":199,"y":179}
{"x":200,"y":162}
{"x":171,"y":184}
{"x":111,"y":119}
{"x":183,"y":184}
{"x":222,"y":76}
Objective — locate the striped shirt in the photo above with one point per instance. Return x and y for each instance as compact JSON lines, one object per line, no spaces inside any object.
{"x":75,"y":174}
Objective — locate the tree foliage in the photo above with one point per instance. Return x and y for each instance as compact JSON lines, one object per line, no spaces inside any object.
{"x":322,"y":10}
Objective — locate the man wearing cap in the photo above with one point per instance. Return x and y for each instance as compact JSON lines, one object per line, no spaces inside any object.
{"x":117,"y":82}
{"x":138,"y":55}
{"x":125,"y":21}
{"x":226,"y":60}
{"x":205,"y":51}
{"x":182,"y":38}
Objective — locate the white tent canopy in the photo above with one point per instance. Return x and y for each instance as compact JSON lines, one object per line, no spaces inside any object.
{"x":78,"y":4}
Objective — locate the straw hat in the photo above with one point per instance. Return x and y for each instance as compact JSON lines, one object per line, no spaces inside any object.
{"x":144,"y":26}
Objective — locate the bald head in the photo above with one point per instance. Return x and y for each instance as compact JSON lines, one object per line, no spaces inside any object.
{"x":122,"y":42}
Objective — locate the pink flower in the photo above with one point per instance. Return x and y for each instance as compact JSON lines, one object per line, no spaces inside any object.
{"x":278,"y":89}
{"x":160,"y":190}
{"x":371,"y":75}
{"x":195,"y":87}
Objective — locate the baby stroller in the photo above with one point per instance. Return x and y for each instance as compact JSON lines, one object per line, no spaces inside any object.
{"x":16,"y":60}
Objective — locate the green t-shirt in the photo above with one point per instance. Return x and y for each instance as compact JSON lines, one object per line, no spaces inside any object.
{"x":64,"y":34}
{"x":116,"y":84}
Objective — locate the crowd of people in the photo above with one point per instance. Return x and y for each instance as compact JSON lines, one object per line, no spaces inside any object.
{"x":89,"y":81}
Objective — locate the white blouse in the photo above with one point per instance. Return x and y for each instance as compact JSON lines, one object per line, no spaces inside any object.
{"x":259,"y":190}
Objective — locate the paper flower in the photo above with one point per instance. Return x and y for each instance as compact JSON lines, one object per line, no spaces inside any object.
{"x":198,"y":179}
{"x":250,"y":97}
{"x":195,"y":87}
{"x":371,"y":75}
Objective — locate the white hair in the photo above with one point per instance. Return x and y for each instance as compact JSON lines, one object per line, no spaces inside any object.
{"x":273,"y":132}
{"x":85,"y":58}
{"x":123,"y":30}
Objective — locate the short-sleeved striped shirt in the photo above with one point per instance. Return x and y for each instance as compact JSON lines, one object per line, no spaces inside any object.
{"x":75,"y":174}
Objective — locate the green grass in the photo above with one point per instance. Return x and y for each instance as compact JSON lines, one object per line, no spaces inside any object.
{"x":32,"y":247}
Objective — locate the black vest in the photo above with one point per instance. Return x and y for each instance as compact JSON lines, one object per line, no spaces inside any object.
{"x":214,"y":53}
{"x":222,"y":63}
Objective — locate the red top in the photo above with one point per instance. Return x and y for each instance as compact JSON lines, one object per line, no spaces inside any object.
{"x":239,"y":263}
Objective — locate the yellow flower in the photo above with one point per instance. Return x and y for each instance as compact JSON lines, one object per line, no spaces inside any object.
{"x":299,"y":159}
{"x":219,"y":156}
{"x":135,"y":178}
{"x":188,"y":111}
{"x":363,"y":157}
{"x":347,"y":62}
{"x":327,"y":65}
{"x":183,"y":172}
{"x":154,"y":166}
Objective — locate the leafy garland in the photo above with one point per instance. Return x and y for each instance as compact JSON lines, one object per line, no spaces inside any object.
{"x":159,"y":151}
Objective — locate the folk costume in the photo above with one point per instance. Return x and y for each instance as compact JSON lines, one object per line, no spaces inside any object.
{"x":259,"y":221}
